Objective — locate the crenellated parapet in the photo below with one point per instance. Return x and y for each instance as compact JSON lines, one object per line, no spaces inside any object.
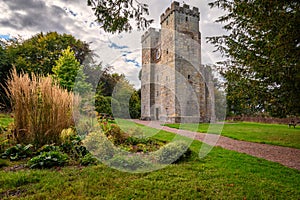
{"x":185,"y":9}
{"x":151,"y":32}
{"x":175,"y":86}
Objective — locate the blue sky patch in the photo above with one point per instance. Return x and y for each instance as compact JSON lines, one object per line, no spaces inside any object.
{"x":116,"y":46}
{"x":6,"y":37}
{"x":136,"y":63}
{"x":125,"y":53}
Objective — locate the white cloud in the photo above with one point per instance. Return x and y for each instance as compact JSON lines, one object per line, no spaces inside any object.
{"x":27,"y":18}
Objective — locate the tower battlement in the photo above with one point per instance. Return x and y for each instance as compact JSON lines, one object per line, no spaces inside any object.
{"x":175,"y":7}
{"x":151,"y":32}
{"x":173,"y":86}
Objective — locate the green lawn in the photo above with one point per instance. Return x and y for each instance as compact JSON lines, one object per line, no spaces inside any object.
{"x":223,"y":174}
{"x":5,"y":120}
{"x":275,"y":134}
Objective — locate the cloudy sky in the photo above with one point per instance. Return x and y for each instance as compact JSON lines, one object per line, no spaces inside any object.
{"x":123,"y":51}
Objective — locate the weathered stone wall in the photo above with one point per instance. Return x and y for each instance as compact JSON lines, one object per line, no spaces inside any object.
{"x":149,"y":41}
{"x":173,"y":84}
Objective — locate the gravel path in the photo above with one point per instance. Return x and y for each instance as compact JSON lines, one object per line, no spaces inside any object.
{"x":289,"y":157}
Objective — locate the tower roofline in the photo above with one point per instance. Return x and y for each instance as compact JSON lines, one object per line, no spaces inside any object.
{"x":150,"y":32}
{"x":175,"y":6}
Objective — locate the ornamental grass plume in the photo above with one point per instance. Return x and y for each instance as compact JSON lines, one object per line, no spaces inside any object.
{"x":41,"y":108}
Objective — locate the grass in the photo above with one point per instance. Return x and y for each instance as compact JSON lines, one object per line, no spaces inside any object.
{"x":5,"y":120}
{"x":222,"y":174}
{"x":275,"y":134}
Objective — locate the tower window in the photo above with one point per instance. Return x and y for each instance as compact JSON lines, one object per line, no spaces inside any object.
{"x":167,"y":51}
{"x":167,"y":22}
{"x":186,"y":19}
{"x":189,"y":76}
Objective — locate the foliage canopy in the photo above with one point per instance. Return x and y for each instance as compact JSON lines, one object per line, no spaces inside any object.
{"x":262,"y":47}
{"x":114,"y":16}
{"x":37,"y":55}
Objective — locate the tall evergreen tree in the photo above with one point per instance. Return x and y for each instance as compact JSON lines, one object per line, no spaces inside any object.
{"x":262,"y":46}
{"x":69,"y":73}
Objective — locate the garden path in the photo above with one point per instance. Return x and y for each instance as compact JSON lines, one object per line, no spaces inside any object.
{"x":289,"y":157}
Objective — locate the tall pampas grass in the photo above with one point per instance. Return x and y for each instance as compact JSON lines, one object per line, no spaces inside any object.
{"x":41,"y":108}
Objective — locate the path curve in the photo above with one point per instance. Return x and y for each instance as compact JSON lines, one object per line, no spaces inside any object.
{"x":286,"y":156}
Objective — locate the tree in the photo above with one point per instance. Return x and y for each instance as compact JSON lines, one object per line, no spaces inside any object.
{"x":262,"y":47}
{"x":135,"y":105}
{"x":4,"y":71}
{"x":115,"y":15}
{"x":39,"y":53}
{"x":117,"y":97}
{"x":69,"y":73}
{"x":108,"y":81}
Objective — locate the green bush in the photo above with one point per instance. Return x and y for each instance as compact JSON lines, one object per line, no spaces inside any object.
{"x":47,"y":148}
{"x":103,"y":104}
{"x":72,"y":145}
{"x":173,"y":152}
{"x":98,"y":144}
{"x":88,"y":160}
{"x":134,"y":144}
{"x":18,"y":152}
{"x":135,"y":141}
{"x":48,"y":160}
{"x":116,"y":135}
{"x":135,"y":105}
{"x":127,"y":162}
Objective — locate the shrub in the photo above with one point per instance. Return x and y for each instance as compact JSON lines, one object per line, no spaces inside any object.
{"x":135,"y":105}
{"x":47,"y":148}
{"x":173,"y":152}
{"x":142,"y":144}
{"x":135,"y":141}
{"x":88,"y":160}
{"x":72,"y":145}
{"x":18,"y":152}
{"x":103,"y":104}
{"x":41,"y":109}
{"x":114,"y":133}
{"x":117,"y":135}
{"x":67,"y":133}
{"x":98,"y":144}
{"x":127,"y":162}
{"x":48,"y":160}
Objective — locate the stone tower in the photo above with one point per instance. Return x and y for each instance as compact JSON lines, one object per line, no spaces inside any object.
{"x":175,"y":87}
